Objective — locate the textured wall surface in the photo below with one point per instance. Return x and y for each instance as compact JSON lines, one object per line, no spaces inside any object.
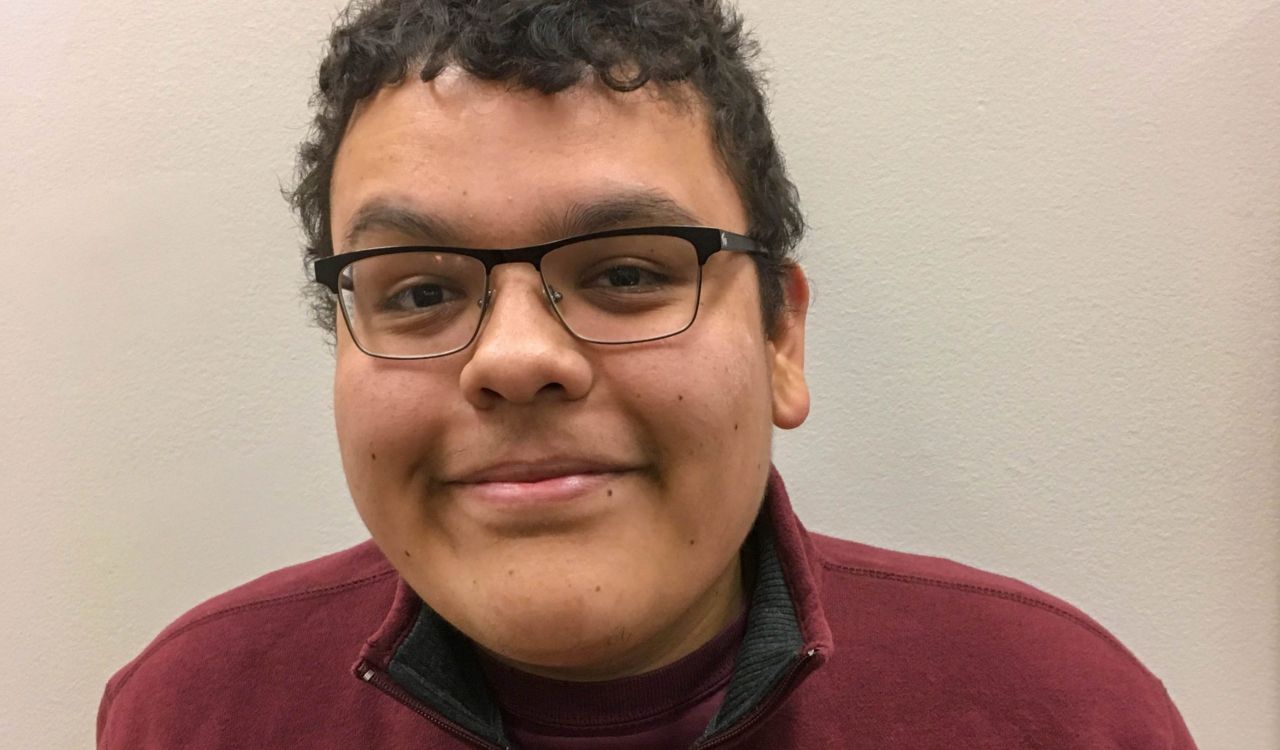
{"x":1046,"y":339}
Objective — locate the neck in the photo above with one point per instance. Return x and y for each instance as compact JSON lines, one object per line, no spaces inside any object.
{"x":711,"y":613}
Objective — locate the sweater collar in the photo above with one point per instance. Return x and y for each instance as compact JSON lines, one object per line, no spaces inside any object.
{"x":651,"y":698}
{"x":786,"y":626}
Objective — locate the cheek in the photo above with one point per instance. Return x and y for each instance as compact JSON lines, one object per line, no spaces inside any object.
{"x":384,"y":436}
{"x":722,"y":388}
{"x":705,"y":412}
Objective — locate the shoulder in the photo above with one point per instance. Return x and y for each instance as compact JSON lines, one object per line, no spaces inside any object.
{"x":976,"y":646}
{"x":235,"y":618}
{"x":306,"y":617}
{"x":921,"y":579}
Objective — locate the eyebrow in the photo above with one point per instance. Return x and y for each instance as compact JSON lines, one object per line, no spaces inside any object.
{"x":631,"y":207}
{"x":394,"y":215}
{"x":634,"y":207}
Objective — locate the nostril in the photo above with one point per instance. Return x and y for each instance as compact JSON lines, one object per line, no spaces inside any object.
{"x":494,"y":396}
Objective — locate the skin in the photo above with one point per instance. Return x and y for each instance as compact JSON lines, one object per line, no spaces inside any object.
{"x":642,"y":568}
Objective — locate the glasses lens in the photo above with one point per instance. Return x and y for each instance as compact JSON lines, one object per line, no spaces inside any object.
{"x":413,"y":304}
{"x":621,"y":289}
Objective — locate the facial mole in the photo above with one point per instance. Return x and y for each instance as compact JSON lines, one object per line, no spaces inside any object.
{"x":406,"y":554}
{"x":692,"y":542}
{"x":609,"y":493}
{"x":680,"y":397}
{"x":511,"y":572}
{"x":735,"y":426}
{"x":597,"y":588}
{"x":373,"y":456}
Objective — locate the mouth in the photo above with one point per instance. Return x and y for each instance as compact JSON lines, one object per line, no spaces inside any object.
{"x":539,"y":482}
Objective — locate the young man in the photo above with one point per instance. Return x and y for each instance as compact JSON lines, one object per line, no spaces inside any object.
{"x":557,"y":235}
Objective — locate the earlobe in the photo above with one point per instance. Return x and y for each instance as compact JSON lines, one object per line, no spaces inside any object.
{"x":790,"y":391}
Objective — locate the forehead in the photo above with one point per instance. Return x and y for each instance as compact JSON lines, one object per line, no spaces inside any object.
{"x":503,"y":164}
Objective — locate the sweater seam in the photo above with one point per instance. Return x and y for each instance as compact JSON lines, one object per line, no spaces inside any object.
{"x":997,"y":593}
{"x":237,"y":609}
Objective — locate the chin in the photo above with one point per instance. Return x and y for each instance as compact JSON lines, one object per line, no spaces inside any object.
{"x":561,"y":633}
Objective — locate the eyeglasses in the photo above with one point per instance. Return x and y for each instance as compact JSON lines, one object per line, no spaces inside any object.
{"x":623,"y":286}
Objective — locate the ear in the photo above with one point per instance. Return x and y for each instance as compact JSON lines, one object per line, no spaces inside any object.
{"x":790,"y":392}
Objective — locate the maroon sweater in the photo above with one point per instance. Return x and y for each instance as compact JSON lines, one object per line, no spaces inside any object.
{"x":846,"y":646}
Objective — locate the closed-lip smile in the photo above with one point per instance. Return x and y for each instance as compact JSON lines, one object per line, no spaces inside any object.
{"x":537,"y":470}
{"x":540,"y":482}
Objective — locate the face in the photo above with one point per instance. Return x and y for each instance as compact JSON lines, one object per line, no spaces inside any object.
{"x":576,"y":509}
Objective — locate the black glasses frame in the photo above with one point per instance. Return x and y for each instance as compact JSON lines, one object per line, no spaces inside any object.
{"x":706,"y":241}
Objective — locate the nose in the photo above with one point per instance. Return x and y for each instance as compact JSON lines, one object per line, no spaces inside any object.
{"x":523,"y":353}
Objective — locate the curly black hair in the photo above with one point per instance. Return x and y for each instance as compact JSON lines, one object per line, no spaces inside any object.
{"x":548,"y":46}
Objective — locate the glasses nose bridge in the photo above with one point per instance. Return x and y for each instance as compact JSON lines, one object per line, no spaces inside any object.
{"x":549,"y":295}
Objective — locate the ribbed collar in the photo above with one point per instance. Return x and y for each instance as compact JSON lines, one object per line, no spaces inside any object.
{"x":438,"y":666}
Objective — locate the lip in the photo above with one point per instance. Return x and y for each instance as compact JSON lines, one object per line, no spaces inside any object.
{"x":537,"y":470}
{"x":539,"y":482}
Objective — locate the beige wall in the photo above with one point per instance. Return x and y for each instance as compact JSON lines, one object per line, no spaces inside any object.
{"x":1046,"y":244}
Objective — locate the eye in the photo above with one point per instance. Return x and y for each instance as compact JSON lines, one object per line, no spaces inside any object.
{"x":623,"y":276}
{"x":419,"y":296}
